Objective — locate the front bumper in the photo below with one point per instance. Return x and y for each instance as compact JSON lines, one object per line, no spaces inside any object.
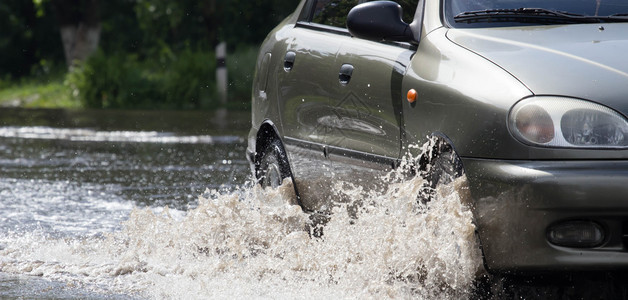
{"x":515,"y":202}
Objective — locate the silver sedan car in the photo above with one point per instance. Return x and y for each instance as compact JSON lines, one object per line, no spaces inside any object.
{"x":527,"y":98}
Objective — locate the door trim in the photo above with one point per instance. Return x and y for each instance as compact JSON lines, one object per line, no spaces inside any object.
{"x":341,"y":154}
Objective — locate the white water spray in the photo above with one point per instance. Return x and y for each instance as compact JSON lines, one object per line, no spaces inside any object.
{"x":252,"y":243}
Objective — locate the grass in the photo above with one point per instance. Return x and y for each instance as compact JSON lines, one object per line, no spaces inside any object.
{"x":123,"y":81}
{"x":50,"y":92}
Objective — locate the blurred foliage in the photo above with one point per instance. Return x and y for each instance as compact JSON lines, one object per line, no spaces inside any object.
{"x":122,"y":80}
{"x":29,"y":43}
{"x":153,"y":53}
{"x":241,"y":68}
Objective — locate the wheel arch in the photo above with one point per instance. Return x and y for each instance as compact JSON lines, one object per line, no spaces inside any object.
{"x":437,"y":142}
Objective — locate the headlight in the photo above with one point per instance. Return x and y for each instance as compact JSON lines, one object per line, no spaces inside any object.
{"x":565,"y":122}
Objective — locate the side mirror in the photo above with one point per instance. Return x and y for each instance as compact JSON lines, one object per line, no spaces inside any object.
{"x":379,"y":20}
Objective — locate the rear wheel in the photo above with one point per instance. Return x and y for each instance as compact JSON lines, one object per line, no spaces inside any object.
{"x":271,"y":171}
{"x":273,"y":165}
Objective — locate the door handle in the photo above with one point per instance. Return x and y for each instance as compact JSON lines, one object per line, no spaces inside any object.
{"x":288,"y":61}
{"x":346,"y":71}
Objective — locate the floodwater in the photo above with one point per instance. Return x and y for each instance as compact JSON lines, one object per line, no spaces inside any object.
{"x":70,"y":179}
{"x":153,"y":205}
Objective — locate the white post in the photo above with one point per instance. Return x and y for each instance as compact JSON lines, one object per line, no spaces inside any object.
{"x":221,"y":71}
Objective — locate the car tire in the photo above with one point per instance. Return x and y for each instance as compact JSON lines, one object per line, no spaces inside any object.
{"x":273,"y":165}
{"x":439,"y":166}
{"x":445,"y":167}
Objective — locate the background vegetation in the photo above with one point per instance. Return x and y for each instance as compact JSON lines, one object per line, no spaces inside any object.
{"x":147,"y":53}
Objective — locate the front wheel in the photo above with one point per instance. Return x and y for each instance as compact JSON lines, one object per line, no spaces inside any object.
{"x":439,"y":166}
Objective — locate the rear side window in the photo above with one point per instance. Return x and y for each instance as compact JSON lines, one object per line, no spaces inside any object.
{"x":409,"y":8}
{"x":334,"y":12}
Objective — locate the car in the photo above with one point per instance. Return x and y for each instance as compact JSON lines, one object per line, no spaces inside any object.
{"x":527,"y":98}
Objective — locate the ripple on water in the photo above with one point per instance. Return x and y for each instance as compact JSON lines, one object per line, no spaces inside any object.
{"x":91,"y":135}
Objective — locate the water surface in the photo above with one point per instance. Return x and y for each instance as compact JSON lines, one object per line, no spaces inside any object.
{"x":154,"y":205}
{"x":79,"y":174}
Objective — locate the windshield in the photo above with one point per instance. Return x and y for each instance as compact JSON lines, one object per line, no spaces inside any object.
{"x":493,"y":12}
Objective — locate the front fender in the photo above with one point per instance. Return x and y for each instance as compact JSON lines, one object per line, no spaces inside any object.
{"x":461,"y":95}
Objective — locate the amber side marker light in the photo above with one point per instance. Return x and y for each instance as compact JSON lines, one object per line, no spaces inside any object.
{"x":412,"y":95}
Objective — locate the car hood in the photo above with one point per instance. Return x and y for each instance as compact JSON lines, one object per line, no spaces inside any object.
{"x":584,"y":61}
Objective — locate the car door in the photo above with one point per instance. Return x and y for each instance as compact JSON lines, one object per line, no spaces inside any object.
{"x":340,"y":102}
{"x":364,"y":128}
{"x":308,"y":83}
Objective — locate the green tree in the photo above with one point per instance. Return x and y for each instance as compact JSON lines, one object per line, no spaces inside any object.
{"x":29,"y":40}
{"x":153,"y":53}
{"x":209,"y":22}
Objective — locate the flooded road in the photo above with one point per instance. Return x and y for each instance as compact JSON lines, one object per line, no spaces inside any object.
{"x":153,"y":205}
{"x":79,"y":174}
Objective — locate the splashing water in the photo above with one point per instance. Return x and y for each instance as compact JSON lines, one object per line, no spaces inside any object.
{"x":252,"y":243}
